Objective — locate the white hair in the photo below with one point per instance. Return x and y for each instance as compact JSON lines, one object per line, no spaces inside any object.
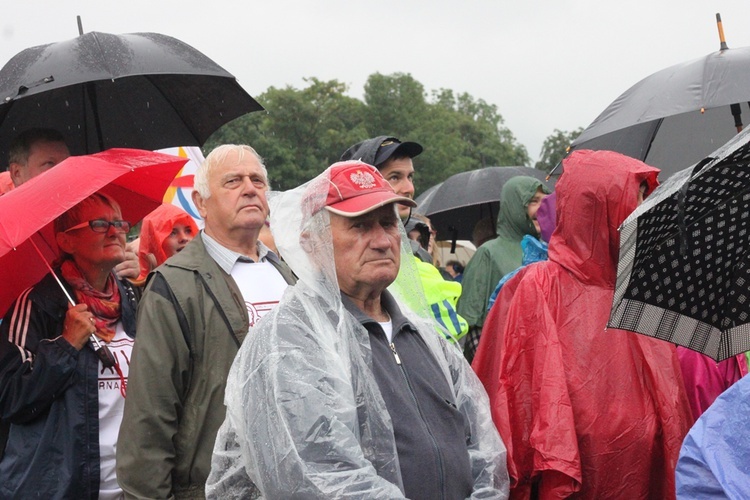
{"x":218,"y":156}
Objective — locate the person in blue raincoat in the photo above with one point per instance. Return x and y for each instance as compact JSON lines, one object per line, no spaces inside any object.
{"x":715,"y":456}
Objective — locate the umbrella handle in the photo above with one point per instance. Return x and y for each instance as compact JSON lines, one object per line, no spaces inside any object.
{"x":737,"y":114}
{"x":103,"y":353}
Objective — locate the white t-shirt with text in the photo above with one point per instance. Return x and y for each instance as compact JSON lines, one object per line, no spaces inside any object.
{"x":261,"y":285}
{"x":111,"y":404}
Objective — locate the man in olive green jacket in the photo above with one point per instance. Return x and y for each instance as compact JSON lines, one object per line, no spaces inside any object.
{"x":194,"y":314}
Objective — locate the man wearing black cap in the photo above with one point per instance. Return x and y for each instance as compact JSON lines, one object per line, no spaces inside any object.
{"x":394,"y":160}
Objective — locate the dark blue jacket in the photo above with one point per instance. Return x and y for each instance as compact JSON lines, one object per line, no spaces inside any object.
{"x":49,"y":396}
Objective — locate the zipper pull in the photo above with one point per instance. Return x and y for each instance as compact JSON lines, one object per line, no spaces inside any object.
{"x":395,"y":354}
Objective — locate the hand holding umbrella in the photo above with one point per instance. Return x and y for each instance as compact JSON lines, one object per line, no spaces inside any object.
{"x":77,"y":329}
{"x":79,"y":323}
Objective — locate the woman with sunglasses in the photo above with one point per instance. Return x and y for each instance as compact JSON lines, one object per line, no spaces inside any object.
{"x":62,"y":397}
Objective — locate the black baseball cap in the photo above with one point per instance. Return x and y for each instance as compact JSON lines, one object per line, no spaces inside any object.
{"x":378,"y":150}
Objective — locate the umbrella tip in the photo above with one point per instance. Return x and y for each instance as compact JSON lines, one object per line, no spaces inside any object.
{"x":80,"y":25}
{"x":723,"y":43}
{"x":552,"y":172}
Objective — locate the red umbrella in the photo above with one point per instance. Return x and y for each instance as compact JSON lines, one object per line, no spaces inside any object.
{"x":136,"y":179}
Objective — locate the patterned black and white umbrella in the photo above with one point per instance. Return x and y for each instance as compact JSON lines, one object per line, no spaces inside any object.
{"x":684,"y":268}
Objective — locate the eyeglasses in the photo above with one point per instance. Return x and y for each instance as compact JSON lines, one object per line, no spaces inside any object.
{"x":102,"y":226}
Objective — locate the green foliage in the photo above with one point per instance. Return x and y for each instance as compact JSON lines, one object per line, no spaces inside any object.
{"x":301,"y":132}
{"x":304,"y":131}
{"x":396,"y":105}
{"x":461,"y":133}
{"x":555,"y":147}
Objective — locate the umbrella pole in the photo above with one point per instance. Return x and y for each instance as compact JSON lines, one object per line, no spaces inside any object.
{"x":49,"y":268}
{"x":105,"y":355}
{"x":559,"y":163}
{"x":723,"y":43}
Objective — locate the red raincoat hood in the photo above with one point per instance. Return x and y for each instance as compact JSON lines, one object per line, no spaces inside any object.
{"x":596,"y":192}
{"x":156,"y":227}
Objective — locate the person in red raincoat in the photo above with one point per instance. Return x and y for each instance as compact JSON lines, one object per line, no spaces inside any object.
{"x":164,"y":232}
{"x":584,"y":411}
{"x":705,"y":379}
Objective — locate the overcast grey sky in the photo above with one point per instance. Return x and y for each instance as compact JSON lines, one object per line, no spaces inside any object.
{"x":545,"y":64}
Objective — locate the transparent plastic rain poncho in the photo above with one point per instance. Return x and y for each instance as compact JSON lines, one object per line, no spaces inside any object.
{"x":305,"y":418}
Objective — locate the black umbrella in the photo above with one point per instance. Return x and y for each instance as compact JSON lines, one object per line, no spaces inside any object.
{"x":141,"y":90}
{"x":679,"y":115}
{"x":684,"y":269}
{"x":458,"y":203}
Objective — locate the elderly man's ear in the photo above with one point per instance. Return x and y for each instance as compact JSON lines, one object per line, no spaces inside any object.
{"x":306,"y":242}
{"x":199,"y":203}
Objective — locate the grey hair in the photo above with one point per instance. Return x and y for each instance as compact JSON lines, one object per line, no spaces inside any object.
{"x":218,"y":156}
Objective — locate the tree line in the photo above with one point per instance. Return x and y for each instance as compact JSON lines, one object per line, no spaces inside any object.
{"x":303,"y":131}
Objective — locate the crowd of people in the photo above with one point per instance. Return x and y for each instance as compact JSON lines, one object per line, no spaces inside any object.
{"x":332,"y":358}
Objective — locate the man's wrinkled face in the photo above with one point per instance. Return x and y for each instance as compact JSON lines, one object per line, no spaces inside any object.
{"x":366,"y":251}
{"x":43,"y":155}
{"x":533,"y":207}
{"x":238,"y":197}
{"x":400,"y":175}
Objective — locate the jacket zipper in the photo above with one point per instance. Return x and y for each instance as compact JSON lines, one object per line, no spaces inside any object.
{"x":424,"y":422}
{"x":395,"y":354}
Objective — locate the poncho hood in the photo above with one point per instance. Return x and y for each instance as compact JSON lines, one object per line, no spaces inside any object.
{"x":156,"y":227}
{"x":513,"y":221}
{"x":596,"y":192}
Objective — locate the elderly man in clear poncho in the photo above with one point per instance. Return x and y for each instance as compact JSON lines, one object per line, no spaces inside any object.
{"x":345,"y":390}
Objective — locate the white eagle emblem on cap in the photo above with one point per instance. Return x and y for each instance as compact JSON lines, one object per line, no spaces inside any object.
{"x":364,"y":180}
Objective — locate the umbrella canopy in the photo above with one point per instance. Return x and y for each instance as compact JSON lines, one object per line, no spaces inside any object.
{"x":684,"y":265}
{"x":100,"y":90}
{"x":679,"y":115}
{"x":458,"y":203}
{"x":136,"y":179}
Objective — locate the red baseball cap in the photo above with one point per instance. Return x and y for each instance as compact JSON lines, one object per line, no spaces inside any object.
{"x":356,"y":188}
